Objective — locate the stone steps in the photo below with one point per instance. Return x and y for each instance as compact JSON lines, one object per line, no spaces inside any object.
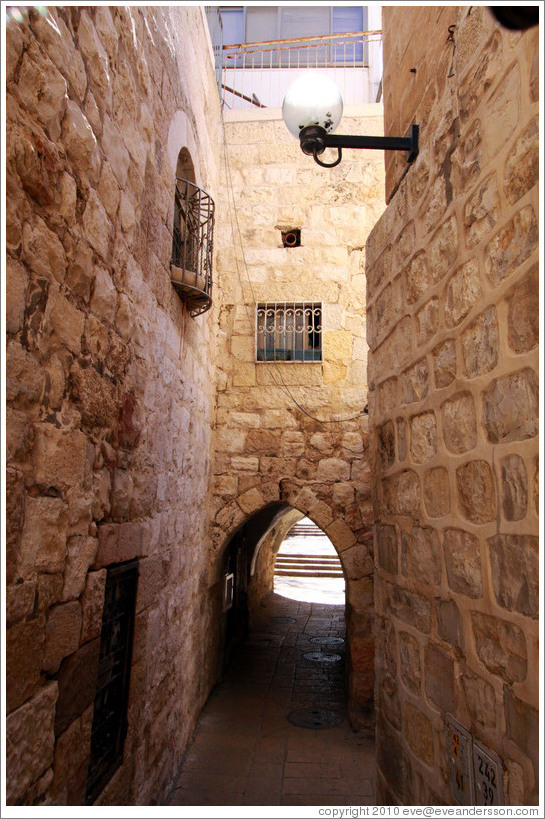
{"x":307,"y":566}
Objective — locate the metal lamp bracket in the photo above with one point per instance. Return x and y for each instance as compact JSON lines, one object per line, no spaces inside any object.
{"x":314,"y":140}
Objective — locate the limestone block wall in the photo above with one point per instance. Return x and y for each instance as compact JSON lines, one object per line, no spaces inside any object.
{"x":297,"y":432}
{"x":109,"y":387}
{"x":452,"y":320}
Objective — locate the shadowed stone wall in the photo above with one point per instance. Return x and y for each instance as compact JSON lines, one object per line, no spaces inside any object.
{"x":109,"y":388}
{"x":453,"y":377}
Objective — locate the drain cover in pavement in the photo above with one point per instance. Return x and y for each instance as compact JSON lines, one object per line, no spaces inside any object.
{"x":314,"y":718}
{"x":320,"y":657}
{"x":327,"y":641}
{"x":281,"y":620}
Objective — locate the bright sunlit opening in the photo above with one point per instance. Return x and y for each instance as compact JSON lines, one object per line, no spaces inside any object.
{"x":308,"y":568}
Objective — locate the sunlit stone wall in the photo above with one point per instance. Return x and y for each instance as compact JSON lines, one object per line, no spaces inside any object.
{"x":452,"y":275}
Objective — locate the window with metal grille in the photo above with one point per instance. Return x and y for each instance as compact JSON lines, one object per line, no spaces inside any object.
{"x":289,"y":331}
{"x":110,"y":708}
{"x":192,"y":246}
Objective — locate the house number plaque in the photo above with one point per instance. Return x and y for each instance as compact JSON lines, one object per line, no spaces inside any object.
{"x":475,"y":772}
{"x":460,"y":764}
{"x":487,"y":776}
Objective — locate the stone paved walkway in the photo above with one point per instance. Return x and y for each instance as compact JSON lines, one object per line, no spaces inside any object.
{"x":245,"y":751}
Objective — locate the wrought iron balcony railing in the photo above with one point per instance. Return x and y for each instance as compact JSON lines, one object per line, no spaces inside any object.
{"x":259,"y":74}
{"x":192,"y":246}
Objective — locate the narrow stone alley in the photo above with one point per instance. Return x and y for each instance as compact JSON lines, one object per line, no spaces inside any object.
{"x":275,"y":731}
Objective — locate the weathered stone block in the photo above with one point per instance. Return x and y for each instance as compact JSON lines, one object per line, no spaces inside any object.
{"x":92,"y":605}
{"x":388,"y":703}
{"x":59,"y":456}
{"x":293,"y":444}
{"x":401,"y":493}
{"x":443,"y":248}
{"x":96,"y":225}
{"x":17,"y":435}
{"x":459,"y":422}
{"x":49,"y":590}
{"x":523,"y":314}
{"x":427,"y":320}
{"x":511,"y":407}
{"x":55,"y":37}
{"x":386,"y":444}
{"x":436,"y":492}
{"x":333,"y":469}
{"x":514,"y":488}
{"x":463,"y":561}
{"x":444,"y":363}
{"x":481,"y":212}
{"x":439,"y":678}
{"x":409,"y":662}
{"x":480,"y":699}
{"x":387,"y":548}
{"x":24,"y":656}
{"x":43,"y":540}
{"x":96,"y":59}
{"x":43,"y":89}
{"x":72,"y":750}
{"x":42,"y":250}
{"x":30,"y":742}
{"x":62,"y":634}
{"x":24,"y":377}
{"x":421,"y":555}
{"x":16,"y":284}
{"x":67,"y":322}
{"x":251,"y":501}
{"x":418,"y":278}
{"x":356,"y":562}
{"x":511,"y":246}
{"x":515,"y":572}
{"x":414,"y":382}
{"x":463,"y":291}
{"x":402,"y":438}
{"x":411,"y":607}
{"x":79,"y":140}
{"x":476,"y":491}
{"x":419,"y":733}
{"x":522,"y":725}
{"x":423,"y":436}
{"x":77,"y":680}
{"x":501,"y":646}
{"x":104,"y":296}
{"x":449,"y":623}
{"x":394,"y":763}
{"x":522,"y":167}
{"x":480,"y":344}
{"x":96,"y":397}
{"x":340,"y":535}
{"x":81,"y":554}
{"x":20,"y":601}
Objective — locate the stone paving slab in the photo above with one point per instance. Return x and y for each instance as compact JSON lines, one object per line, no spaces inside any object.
{"x":246,"y":752}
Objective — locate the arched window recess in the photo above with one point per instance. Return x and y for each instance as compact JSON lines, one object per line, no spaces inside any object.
{"x":192,"y":246}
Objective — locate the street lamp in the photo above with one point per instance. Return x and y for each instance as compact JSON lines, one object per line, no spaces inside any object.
{"x":313,"y":108}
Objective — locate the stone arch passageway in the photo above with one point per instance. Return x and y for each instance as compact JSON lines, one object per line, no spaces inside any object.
{"x":248,"y":552}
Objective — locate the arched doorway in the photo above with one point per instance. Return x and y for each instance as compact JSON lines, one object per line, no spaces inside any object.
{"x":249,"y":555}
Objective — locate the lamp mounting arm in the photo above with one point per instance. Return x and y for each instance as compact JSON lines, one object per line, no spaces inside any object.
{"x":314,"y":140}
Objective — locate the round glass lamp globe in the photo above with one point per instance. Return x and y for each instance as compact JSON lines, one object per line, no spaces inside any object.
{"x":312,"y":99}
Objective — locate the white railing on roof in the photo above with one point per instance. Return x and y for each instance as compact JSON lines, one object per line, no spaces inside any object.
{"x":257,"y":75}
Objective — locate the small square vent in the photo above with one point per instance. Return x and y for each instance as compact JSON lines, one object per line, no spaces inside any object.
{"x":291,"y":237}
